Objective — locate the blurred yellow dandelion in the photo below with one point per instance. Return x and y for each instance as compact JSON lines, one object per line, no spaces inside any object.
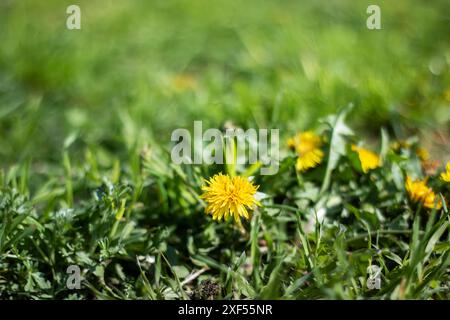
{"x":369,"y":160}
{"x":307,"y":146}
{"x":419,"y":192}
{"x":429,"y":165}
{"x":183,"y":82}
{"x":422,"y":153}
{"x":432,"y":201}
{"x":229,"y":196}
{"x":447,"y":95}
{"x":445,"y":176}
{"x":400,"y":144}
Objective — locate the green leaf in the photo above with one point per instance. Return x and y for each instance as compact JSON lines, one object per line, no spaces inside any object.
{"x":339,"y":132}
{"x":435,"y":237}
{"x":271,"y":289}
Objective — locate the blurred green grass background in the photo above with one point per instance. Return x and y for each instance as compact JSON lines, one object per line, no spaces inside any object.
{"x":139,"y":69}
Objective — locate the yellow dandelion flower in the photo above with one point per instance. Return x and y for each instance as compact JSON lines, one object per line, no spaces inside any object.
{"x":419,"y":192}
{"x":400,"y":144}
{"x":432,"y":201}
{"x":447,"y":95}
{"x":369,"y":160}
{"x":183,"y":82}
{"x":422,"y":153}
{"x":445,"y":176}
{"x":229,"y":196}
{"x":307,"y":146}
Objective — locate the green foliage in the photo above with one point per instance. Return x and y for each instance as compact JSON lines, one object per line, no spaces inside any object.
{"x":86,"y":177}
{"x":145,"y":235}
